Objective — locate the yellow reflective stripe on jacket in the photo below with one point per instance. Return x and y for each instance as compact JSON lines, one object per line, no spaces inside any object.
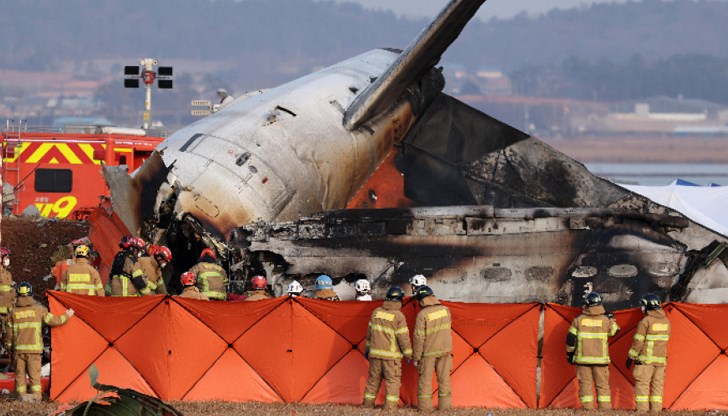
{"x":393,"y":344}
{"x":6,"y":288}
{"x":213,"y":294}
{"x":432,"y":330}
{"x":638,"y":337}
{"x":436,"y":353}
{"x":442,"y":313}
{"x":374,"y":353}
{"x":89,"y":287}
{"x":79,"y":277}
{"x":49,"y":317}
{"x":384,"y":316}
{"x":4,"y":310}
{"x":124,"y":285}
{"x":593,"y":335}
{"x":657,"y":337}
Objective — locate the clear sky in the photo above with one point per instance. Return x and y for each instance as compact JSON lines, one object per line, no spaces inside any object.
{"x":491,"y":8}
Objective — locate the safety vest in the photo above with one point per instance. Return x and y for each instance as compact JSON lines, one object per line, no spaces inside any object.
{"x":388,"y":335}
{"x":7,"y":291}
{"x":432,"y":330}
{"x":81,"y":278}
{"x":592,"y":330}
{"x":211,"y":280}
{"x":26,"y":321}
{"x":649,"y":344}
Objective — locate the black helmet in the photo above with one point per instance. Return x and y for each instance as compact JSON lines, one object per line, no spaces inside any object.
{"x":25,"y":289}
{"x":395,"y":293}
{"x":650,"y":301}
{"x":592,"y":299}
{"x":423,"y":292}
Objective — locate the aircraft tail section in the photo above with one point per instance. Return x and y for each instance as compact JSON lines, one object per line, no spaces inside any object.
{"x":419,"y":57}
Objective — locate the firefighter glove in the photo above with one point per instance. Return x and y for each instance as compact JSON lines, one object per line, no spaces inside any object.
{"x":629,"y":363}
{"x":70,"y":312}
{"x":570,"y":357}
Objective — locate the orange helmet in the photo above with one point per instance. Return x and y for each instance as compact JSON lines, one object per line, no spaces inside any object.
{"x":208,"y":252}
{"x":162,"y":252}
{"x":258,"y":282}
{"x":187,"y":279}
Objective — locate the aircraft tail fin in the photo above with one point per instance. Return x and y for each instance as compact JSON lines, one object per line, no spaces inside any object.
{"x":420,"y":56}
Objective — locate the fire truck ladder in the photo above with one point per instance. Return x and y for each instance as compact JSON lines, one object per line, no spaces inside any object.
{"x":11,"y":170}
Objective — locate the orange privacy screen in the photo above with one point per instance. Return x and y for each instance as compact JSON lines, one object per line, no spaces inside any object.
{"x":311,"y":351}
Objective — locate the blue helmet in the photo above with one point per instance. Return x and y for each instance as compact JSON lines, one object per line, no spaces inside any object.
{"x":324,"y":282}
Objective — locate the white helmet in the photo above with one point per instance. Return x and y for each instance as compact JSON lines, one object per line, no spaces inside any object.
{"x":362,"y":286}
{"x":294,"y":288}
{"x":418,"y":280}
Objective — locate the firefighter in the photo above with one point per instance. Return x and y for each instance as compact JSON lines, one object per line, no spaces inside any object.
{"x":587,"y":347}
{"x":387,"y":342}
{"x":294,"y":289}
{"x":67,"y":258}
{"x":260,"y":289}
{"x":81,"y":277}
{"x":325,"y":288}
{"x":189,"y":290}
{"x":649,"y":355}
{"x":211,"y":277}
{"x":26,"y":320}
{"x":432,"y":349}
{"x":127,"y":277}
{"x":7,"y":294}
{"x":152,"y":261}
{"x":363,"y":290}
{"x":417,"y":281}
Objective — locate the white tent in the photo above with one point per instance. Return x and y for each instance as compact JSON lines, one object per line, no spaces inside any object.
{"x":706,"y":205}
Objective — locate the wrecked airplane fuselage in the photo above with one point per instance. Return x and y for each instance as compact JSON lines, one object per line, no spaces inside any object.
{"x":477,"y":254}
{"x":376,"y":131}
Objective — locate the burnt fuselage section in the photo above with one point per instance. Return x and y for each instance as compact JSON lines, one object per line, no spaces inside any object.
{"x":476,"y":253}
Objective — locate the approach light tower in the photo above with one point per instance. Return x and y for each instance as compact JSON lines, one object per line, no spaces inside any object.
{"x":145,"y":71}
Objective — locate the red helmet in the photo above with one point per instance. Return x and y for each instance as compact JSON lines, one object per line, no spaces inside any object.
{"x":151,"y":248}
{"x":138,"y":243}
{"x":258,"y":282}
{"x":162,"y":252}
{"x":126,"y":241}
{"x":4,"y":251}
{"x":187,"y":279}
{"x":208,"y":252}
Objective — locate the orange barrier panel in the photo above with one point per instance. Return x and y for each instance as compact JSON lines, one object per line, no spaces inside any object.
{"x":311,"y":351}
{"x":106,"y":230}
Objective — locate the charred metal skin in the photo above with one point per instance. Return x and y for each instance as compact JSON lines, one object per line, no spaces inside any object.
{"x":247,"y":179}
{"x":479,"y":254}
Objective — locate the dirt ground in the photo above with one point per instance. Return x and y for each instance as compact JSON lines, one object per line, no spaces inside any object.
{"x":8,"y":408}
{"x":33,"y":243}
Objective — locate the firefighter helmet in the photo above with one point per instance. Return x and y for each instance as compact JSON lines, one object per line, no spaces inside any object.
{"x":82,"y":251}
{"x":138,"y":243}
{"x":258,"y":282}
{"x":423,"y":292}
{"x":127,"y":241}
{"x":208,"y":252}
{"x":187,"y":279}
{"x":418,"y":280}
{"x":395,"y":293}
{"x":324,"y":282}
{"x":4,"y":252}
{"x":651,"y":302}
{"x":294,"y":288}
{"x":25,"y":289}
{"x":592,"y":299}
{"x":362,"y":286}
{"x":162,"y":252}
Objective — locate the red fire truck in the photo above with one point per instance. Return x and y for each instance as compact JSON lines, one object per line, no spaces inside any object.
{"x":60,"y":172}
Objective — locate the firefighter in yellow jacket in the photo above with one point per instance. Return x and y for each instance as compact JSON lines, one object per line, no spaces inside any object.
{"x":211,"y":277}
{"x":26,"y":321}
{"x":587,"y":346}
{"x":649,"y":354}
{"x":81,"y":277}
{"x":387,"y":342}
{"x":127,"y":277}
{"x":432,"y":350}
{"x":7,"y":294}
